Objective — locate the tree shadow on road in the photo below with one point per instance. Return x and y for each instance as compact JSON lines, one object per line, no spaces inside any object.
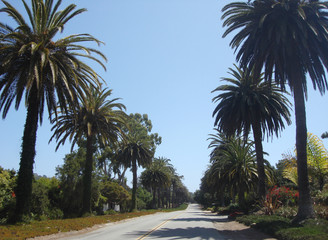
{"x":245,"y":234}
{"x":183,"y":233}
{"x":194,"y":219}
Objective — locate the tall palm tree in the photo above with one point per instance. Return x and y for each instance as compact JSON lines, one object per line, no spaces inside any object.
{"x":46,"y":70}
{"x":97,"y":118}
{"x":248,"y":102}
{"x":288,"y":38}
{"x":134,"y":153}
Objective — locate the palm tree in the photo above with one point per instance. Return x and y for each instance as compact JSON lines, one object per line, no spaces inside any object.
{"x":134,"y":153}
{"x":155,"y":177}
{"x":217,"y":144}
{"x":288,"y":38}
{"x":44,"y":68}
{"x":236,"y":168}
{"x":96,"y":119}
{"x":248,"y":102}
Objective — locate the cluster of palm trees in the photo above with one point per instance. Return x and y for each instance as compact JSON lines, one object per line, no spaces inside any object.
{"x":288,"y":40}
{"x":248,"y":103}
{"x":48,"y":72}
{"x":233,"y":169}
{"x":162,"y":179}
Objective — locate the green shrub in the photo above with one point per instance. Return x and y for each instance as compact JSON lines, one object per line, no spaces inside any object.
{"x":211,"y":209}
{"x":268,"y":224}
{"x":309,"y":230}
{"x":321,"y":197}
{"x":321,"y":211}
{"x":110,"y":212}
{"x":287,"y":212}
{"x":283,"y":229}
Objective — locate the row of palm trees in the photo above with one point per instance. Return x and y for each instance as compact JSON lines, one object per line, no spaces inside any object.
{"x":233,"y":169}
{"x":162,"y":179}
{"x":47,"y":72}
{"x":287,"y":39}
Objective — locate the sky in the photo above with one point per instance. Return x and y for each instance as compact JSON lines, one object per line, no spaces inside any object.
{"x":164,"y":59}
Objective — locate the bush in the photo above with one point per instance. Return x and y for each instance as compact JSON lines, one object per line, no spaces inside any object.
{"x":278,"y":197}
{"x":321,"y":197}
{"x":310,"y":230}
{"x":321,"y":211}
{"x":282,"y":228}
{"x":7,"y":194}
{"x":287,"y":212}
{"x":110,"y":212}
{"x":267,"y":224}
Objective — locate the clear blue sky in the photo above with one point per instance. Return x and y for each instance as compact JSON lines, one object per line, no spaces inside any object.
{"x":165,"y":58}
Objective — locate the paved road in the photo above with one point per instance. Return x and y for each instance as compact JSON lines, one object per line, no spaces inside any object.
{"x":189,"y":224}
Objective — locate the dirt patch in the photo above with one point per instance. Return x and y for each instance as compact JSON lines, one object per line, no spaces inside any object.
{"x":233,"y":230}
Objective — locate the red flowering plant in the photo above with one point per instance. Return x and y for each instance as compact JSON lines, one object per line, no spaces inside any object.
{"x":277,"y":197}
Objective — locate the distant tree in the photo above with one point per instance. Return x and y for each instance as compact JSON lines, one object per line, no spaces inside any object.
{"x":156,"y":176}
{"x":134,"y":153}
{"x":236,"y":168}
{"x":114,"y":193}
{"x":144,"y":198}
{"x":71,"y":185}
{"x":140,"y":126}
{"x":324,"y":135}
{"x":46,"y":69}
{"x":138,"y":148}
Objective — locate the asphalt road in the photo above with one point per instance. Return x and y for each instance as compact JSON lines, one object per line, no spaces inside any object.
{"x":191,"y":223}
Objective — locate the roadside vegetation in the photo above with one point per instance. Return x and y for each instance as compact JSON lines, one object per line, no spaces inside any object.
{"x":283,"y":228}
{"x":47,"y":227}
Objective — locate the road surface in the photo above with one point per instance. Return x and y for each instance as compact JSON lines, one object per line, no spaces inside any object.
{"x":191,"y":223}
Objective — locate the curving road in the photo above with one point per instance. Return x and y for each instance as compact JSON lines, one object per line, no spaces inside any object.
{"x":191,"y":223}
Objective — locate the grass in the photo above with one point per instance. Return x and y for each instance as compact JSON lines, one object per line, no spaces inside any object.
{"x":283,"y":229}
{"x":42,"y":228}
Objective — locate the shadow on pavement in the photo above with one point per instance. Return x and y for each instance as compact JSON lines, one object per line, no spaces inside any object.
{"x":206,"y":219}
{"x":245,"y":234}
{"x":183,"y":233}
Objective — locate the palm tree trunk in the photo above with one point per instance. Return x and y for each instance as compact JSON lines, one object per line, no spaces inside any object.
{"x":257,"y":133}
{"x":154,"y":197}
{"x":134,"y":187}
{"x":169,"y":203}
{"x":87,"y":177}
{"x":25,"y":174}
{"x":173,"y":198}
{"x":159,"y":197}
{"x":121,"y":176}
{"x":222,"y":195}
{"x":305,"y":208}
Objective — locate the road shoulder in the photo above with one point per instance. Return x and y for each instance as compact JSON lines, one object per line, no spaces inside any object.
{"x":233,"y":230}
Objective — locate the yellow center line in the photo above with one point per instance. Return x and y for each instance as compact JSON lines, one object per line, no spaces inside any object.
{"x":157,"y":227}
